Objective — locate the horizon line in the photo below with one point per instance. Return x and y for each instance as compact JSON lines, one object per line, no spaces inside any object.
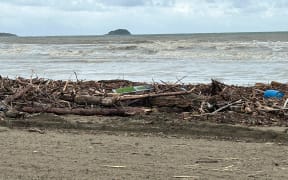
{"x":196,"y":33}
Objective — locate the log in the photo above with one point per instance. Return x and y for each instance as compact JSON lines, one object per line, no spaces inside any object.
{"x":86,"y":99}
{"x":67,"y":97}
{"x":109,"y":101}
{"x":95,"y":100}
{"x":170,"y":101}
{"x":226,"y":106}
{"x":132,"y":97}
{"x":86,"y":112}
{"x":277,"y":84}
{"x":12,"y":113}
{"x":17,"y":95}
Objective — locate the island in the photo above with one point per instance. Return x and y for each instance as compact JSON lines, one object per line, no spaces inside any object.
{"x":119,"y":32}
{"x":7,"y":35}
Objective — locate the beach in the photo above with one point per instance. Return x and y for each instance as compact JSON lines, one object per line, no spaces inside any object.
{"x":61,"y":116}
{"x":119,"y":148}
{"x":162,"y":137}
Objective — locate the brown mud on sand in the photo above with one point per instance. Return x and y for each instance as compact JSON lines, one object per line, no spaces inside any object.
{"x":154,"y":123}
{"x":167,"y":131}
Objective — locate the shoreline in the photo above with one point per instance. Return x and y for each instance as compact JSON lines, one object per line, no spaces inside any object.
{"x":214,"y":102}
{"x":167,"y":142}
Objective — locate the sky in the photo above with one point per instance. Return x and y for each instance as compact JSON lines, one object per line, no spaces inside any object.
{"x":97,"y":17}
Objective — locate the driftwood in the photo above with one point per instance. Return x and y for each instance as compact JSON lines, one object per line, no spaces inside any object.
{"x":285,"y":104}
{"x":170,"y":101}
{"x":109,"y":101}
{"x":17,"y":95}
{"x":86,"y":99}
{"x":177,"y":101}
{"x":226,"y":106}
{"x":96,"y":98}
{"x":151,"y":95}
{"x":86,"y":112}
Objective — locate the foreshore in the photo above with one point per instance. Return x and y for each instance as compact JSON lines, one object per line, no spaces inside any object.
{"x":23,"y":99}
{"x":113,"y":129}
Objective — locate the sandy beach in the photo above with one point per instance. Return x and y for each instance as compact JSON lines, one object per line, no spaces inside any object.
{"x":135,"y":89}
{"x":214,"y":131}
{"x":135,"y":148}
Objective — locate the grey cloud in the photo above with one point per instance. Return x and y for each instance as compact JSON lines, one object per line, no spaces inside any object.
{"x":255,"y":4}
{"x":241,"y":3}
{"x":258,"y":4}
{"x":256,"y":7}
{"x":132,"y":3}
{"x":245,"y":6}
{"x":89,"y":4}
{"x":123,"y":2}
{"x":281,"y":4}
{"x":29,"y":2}
{"x":57,"y":4}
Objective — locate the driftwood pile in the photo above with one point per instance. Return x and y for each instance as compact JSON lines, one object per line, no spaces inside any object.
{"x":19,"y":96}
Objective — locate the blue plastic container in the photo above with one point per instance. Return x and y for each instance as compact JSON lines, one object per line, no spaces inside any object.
{"x":271,"y":93}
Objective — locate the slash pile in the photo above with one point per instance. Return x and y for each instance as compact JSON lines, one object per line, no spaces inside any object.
{"x":216,"y":101}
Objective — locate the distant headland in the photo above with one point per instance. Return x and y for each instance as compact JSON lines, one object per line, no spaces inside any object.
{"x":119,"y":32}
{"x":7,"y":35}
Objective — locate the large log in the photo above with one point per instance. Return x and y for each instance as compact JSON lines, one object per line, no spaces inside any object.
{"x":86,"y":112}
{"x":109,"y":101}
{"x":87,"y":99}
{"x":178,"y":101}
{"x":132,"y":97}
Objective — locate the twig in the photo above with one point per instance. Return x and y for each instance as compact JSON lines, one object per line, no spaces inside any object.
{"x":66,"y":84}
{"x":259,"y":90}
{"x":185,"y":177}
{"x":285,"y":104}
{"x":226,"y":106}
{"x":180,"y":80}
{"x":130,"y":97}
{"x":171,"y":87}
{"x":36,"y":130}
{"x":76,"y":76}
{"x":220,"y":109}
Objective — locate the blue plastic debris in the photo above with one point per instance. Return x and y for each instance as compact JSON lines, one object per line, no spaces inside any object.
{"x":271,"y":93}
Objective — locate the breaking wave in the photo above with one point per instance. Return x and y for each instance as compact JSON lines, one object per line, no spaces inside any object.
{"x":199,"y":58}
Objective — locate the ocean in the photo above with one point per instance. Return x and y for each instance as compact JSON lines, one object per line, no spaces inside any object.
{"x":233,"y":58}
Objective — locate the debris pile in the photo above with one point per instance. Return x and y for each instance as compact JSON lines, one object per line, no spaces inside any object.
{"x":261,"y":104}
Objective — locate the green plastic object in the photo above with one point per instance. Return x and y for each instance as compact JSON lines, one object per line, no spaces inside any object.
{"x":132,"y":89}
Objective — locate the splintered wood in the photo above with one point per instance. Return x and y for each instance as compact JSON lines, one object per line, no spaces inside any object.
{"x":99,"y":98}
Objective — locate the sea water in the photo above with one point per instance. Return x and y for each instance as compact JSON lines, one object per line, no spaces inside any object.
{"x":233,"y":58}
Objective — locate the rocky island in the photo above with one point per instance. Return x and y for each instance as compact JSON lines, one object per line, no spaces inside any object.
{"x":119,"y":32}
{"x":7,"y":35}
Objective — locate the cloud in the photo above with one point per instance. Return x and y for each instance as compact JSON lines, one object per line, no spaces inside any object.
{"x":67,"y":5}
{"x":248,"y":6}
{"x":261,"y":7}
{"x":90,"y":4}
{"x":52,"y":17}
{"x":131,"y":3}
